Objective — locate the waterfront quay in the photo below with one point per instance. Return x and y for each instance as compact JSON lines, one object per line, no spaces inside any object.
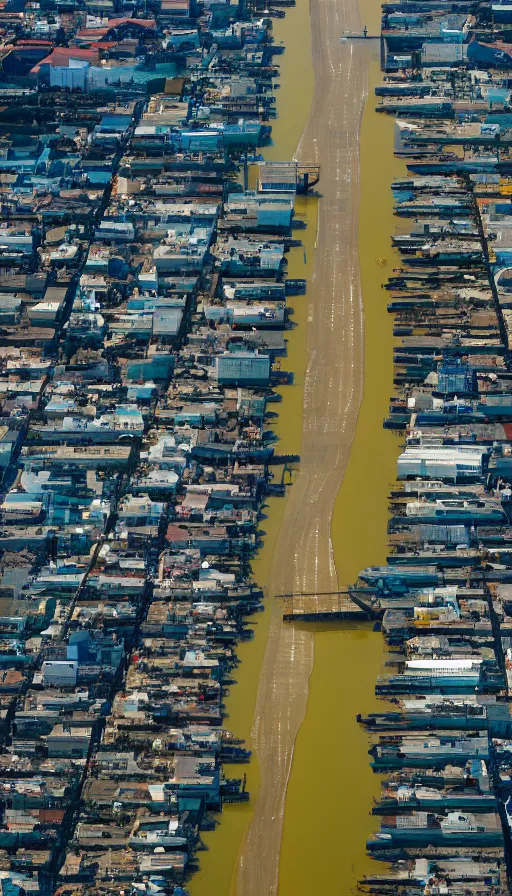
{"x":144,"y":309}
{"x":442,"y":741}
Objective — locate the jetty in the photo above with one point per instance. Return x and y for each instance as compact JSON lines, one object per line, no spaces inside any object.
{"x":362,"y":35}
{"x":328,"y":606}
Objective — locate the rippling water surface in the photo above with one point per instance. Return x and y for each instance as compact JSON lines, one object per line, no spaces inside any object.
{"x":331,"y":786}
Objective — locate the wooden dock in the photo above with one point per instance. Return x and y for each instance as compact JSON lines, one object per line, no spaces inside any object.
{"x":328,"y":606}
{"x":359,"y":35}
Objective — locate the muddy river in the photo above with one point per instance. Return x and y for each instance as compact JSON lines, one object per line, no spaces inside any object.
{"x":331,"y":785}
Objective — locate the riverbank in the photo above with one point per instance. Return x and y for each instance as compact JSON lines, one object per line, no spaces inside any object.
{"x":443,"y":594}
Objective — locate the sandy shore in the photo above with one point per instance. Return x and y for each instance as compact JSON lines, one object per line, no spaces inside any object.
{"x":332,"y":397}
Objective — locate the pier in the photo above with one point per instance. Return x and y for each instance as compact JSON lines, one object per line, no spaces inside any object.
{"x":328,"y":606}
{"x":363,"y":35}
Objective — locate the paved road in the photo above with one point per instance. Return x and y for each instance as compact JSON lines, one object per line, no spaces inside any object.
{"x":333,"y":392}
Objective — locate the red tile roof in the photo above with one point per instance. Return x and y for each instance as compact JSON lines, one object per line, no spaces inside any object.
{"x":61,"y":57}
{"x":103,"y":30}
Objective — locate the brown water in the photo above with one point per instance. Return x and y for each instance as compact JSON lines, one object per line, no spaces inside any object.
{"x":331,"y":785}
{"x":217,"y":865}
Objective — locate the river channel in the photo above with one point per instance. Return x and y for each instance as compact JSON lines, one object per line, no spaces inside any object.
{"x":330,"y":788}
